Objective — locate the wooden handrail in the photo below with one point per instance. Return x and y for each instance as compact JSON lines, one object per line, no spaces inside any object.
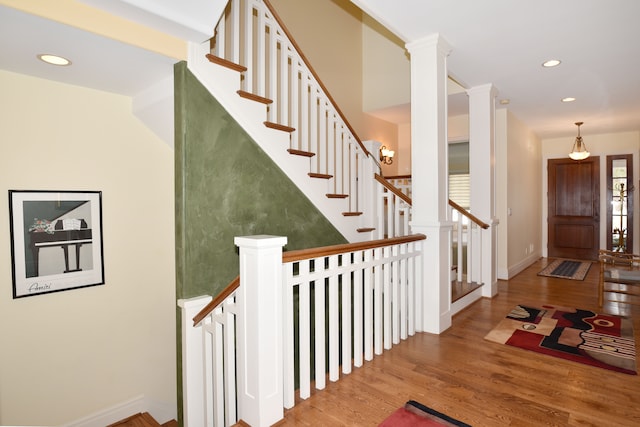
{"x":393,"y":189}
{"x":302,"y":254}
{"x":313,"y":72}
{"x":231,"y":288}
{"x":398,"y":177}
{"x":471,"y":217}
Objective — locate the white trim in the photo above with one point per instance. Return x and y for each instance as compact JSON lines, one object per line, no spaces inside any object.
{"x":464,"y":302}
{"x":161,"y":412}
{"x":515,"y":269}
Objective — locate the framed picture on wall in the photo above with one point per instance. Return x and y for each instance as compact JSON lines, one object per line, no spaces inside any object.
{"x":56,"y":240}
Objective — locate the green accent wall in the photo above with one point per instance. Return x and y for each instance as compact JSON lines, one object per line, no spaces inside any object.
{"x":226,"y":186}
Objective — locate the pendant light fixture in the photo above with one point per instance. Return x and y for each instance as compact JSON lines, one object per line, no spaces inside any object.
{"x":579,"y":151}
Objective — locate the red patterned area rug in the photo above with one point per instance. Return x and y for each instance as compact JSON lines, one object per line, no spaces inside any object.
{"x":583,"y":336}
{"x":417,"y":415}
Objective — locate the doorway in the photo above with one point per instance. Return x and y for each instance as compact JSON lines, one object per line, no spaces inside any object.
{"x":574,"y":208}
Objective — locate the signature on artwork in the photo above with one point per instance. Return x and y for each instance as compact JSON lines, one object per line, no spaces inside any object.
{"x":39,"y":287}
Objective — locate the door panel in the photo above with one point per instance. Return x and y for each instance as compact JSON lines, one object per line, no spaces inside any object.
{"x":574,"y":208}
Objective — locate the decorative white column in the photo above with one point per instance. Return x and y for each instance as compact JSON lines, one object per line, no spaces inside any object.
{"x":260,"y":378}
{"x":482,"y":178}
{"x":193,"y":389}
{"x":429,"y":170}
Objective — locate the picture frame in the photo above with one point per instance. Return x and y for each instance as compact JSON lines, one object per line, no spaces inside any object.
{"x":56,"y":240}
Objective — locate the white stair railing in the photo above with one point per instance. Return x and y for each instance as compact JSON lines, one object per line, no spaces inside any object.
{"x":467,"y":246}
{"x":251,"y":34}
{"x":395,"y":208}
{"x":402,"y":183}
{"x":466,"y":238}
{"x":346,"y":303}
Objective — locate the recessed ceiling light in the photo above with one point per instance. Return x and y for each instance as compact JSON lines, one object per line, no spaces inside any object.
{"x":53,"y":59}
{"x":551,"y":63}
{"x":568,"y":99}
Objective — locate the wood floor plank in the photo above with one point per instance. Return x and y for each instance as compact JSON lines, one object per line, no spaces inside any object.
{"x":483,"y":383}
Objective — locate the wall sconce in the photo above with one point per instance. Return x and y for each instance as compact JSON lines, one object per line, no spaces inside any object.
{"x":386,"y":155}
{"x":579,"y":151}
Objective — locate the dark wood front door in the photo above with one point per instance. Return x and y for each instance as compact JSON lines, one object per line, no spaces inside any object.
{"x":574,"y":208}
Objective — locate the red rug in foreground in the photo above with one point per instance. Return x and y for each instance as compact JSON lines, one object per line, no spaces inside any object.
{"x":415,"y":414}
{"x":583,"y":336}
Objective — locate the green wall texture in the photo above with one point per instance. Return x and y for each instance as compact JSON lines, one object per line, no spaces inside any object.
{"x":226,"y":186}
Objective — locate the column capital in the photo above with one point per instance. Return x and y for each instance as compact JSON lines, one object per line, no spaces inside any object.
{"x":483,"y":89}
{"x":260,"y":241}
{"x":433,"y":40}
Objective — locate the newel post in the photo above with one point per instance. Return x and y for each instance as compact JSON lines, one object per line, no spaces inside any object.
{"x":260,"y":370}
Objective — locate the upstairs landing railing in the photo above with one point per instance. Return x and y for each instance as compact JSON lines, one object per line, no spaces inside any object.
{"x":466,"y":237}
{"x":295,"y":317}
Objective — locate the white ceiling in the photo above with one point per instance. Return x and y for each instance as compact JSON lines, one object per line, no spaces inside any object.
{"x":98,"y":62}
{"x":504,"y":42}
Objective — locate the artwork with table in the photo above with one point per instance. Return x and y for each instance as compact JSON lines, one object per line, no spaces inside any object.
{"x":56,"y":240}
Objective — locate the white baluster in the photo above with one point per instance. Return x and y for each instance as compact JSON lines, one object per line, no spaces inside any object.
{"x":320,"y":331}
{"x":297,"y":141}
{"x":289,"y":339}
{"x":387,"y":297}
{"x":368,"y":304}
{"x":402,"y":284}
{"x":234,"y":20}
{"x":334,"y":315}
{"x":395,"y":290}
{"x":248,"y":52}
{"x":378,"y":297}
{"x":260,"y":51}
{"x":347,"y":349}
{"x":304,"y":339}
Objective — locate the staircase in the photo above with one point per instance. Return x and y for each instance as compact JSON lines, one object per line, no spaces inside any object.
{"x":345,"y":304}
{"x":256,"y":71}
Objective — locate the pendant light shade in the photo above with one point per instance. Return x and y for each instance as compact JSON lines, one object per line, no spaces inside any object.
{"x":579,"y":151}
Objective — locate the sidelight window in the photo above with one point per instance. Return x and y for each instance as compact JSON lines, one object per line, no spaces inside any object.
{"x":620,"y":206}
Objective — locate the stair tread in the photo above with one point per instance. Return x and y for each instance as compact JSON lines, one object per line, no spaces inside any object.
{"x":320,"y":175}
{"x":365,"y":230}
{"x":337,"y":196}
{"x":461,"y":289}
{"x":278,"y":126}
{"x":351,"y":213}
{"x":254,"y":97}
{"x":300,"y":153}
{"x":226,"y":63}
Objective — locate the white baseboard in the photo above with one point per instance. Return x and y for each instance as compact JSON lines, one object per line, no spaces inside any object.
{"x":517,"y":268}
{"x":161,"y":412}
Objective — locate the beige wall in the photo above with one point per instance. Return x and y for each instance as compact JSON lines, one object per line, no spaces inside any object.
{"x":599,"y":145}
{"x":517,"y":195}
{"x":387,"y":76}
{"x":336,"y":56}
{"x":69,"y":354}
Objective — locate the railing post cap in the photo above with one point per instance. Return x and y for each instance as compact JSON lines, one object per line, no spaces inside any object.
{"x":260,"y":241}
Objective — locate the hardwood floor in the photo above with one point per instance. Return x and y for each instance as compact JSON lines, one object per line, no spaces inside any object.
{"x":143,"y":419}
{"x":483,"y":383}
